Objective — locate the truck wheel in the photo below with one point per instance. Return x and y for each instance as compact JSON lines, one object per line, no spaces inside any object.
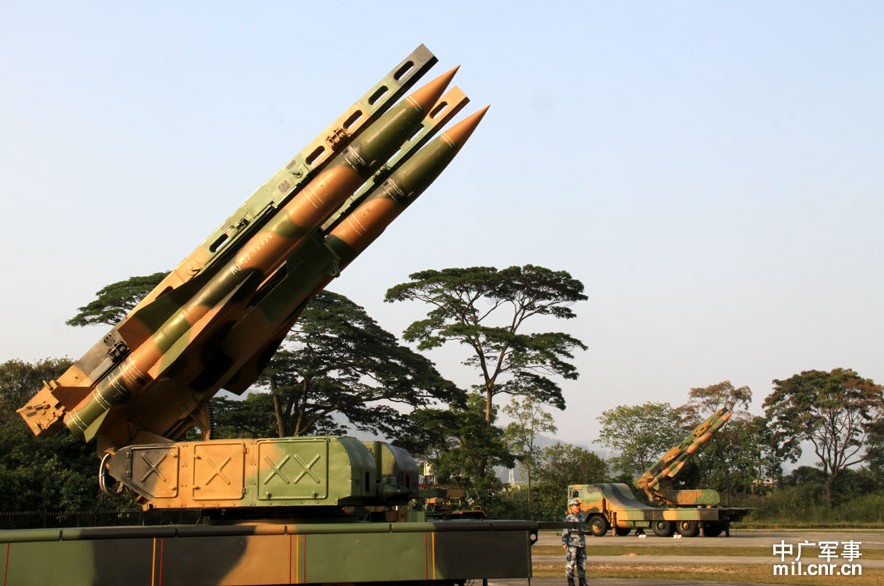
{"x":687,"y":528}
{"x":662,"y":528}
{"x":621,"y":531}
{"x":598,"y":525}
{"x":712,"y":529}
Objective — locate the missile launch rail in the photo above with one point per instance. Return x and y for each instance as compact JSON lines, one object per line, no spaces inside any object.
{"x":304,"y":510}
{"x":607,"y":506}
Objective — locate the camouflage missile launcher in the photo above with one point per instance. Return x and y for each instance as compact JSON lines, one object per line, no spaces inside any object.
{"x":607,"y":506}
{"x":263,"y":474}
{"x":281,"y":511}
{"x":657,"y":481}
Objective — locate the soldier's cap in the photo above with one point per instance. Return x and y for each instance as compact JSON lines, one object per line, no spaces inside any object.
{"x":574,"y":503}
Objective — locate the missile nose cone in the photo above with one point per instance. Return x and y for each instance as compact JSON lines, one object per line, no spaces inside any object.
{"x":426,"y":96}
{"x":458,"y":134}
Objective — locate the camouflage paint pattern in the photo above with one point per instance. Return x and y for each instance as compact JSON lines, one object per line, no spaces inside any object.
{"x":330,"y":472}
{"x":606,"y":506}
{"x":47,"y":409}
{"x":259,"y":554}
{"x":151,"y":377}
{"x":213,"y":323}
{"x":175,"y":323}
{"x":688,"y":512}
{"x":657,"y":480}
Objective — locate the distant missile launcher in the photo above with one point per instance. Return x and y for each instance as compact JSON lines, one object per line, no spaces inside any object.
{"x":607,"y":506}
{"x":657,"y":481}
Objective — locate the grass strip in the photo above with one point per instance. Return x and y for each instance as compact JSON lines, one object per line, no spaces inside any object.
{"x":699,"y":551}
{"x":762,"y":574}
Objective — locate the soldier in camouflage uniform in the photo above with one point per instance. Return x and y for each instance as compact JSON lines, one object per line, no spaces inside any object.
{"x":574,"y":544}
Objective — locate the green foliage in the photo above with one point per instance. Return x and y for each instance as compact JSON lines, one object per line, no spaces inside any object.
{"x":113,"y":302}
{"x":529,"y":421}
{"x":835,"y":411}
{"x":737,"y":460}
{"x":251,"y":417}
{"x":875,"y":450}
{"x":639,"y":434}
{"x":802,"y":499}
{"x":486,"y":309}
{"x":461,"y":448}
{"x":561,"y":465}
{"x":339,"y":368}
{"x":704,"y":401}
{"x":58,"y":472}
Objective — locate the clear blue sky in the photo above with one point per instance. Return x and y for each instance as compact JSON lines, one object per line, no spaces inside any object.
{"x":711,"y":171}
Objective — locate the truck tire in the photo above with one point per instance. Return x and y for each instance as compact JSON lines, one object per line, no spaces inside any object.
{"x":713,"y":529}
{"x":687,"y":528}
{"x":621,"y":531}
{"x":598,"y":525}
{"x":663,"y":528}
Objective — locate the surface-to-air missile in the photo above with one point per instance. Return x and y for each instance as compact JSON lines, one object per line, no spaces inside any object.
{"x":217,"y":318}
{"x":657,"y":481}
{"x":282,"y":510}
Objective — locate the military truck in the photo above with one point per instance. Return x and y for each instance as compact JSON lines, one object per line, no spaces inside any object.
{"x":317,"y":510}
{"x":607,"y":506}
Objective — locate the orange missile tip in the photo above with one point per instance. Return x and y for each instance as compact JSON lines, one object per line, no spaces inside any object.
{"x":460,"y":132}
{"x":427,"y":96}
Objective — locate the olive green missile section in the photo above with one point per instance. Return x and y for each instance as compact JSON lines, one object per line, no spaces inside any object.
{"x":657,"y":481}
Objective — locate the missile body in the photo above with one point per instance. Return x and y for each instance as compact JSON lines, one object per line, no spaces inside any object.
{"x":216,"y":319}
{"x":261,"y":255}
{"x":320,"y":260}
{"x":657,"y":480}
{"x":356,"y":232}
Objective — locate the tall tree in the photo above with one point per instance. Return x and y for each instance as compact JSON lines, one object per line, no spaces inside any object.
{"x":252,"y":416}
{"x":834,"y":411}
{"x":486,"y":310}
{"x":529,"y":421}
{"x":461,"y":447}
{"x":732,"y":461}
{"x":559,"y":466}
{"x":113,"y":302}
{"x":704,"y":401}
{"x":339,"y":368}
{"x":639,"y":434}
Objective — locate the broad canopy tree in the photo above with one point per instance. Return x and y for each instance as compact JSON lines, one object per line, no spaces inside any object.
{"x":559,"y":466}
{"x":704,"y":401}
{"x":113,"y":302}
{"x":459,"y":446}
{"x":487,"y":310}
{"x":639,"y":434}
{"x":834,"y":411}
{"x":337,"y":367}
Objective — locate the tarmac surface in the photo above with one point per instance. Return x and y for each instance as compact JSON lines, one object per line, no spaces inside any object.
{"x":763,"y":538}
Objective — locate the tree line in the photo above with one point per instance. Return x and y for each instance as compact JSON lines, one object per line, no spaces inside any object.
{"x":339,"y":371}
